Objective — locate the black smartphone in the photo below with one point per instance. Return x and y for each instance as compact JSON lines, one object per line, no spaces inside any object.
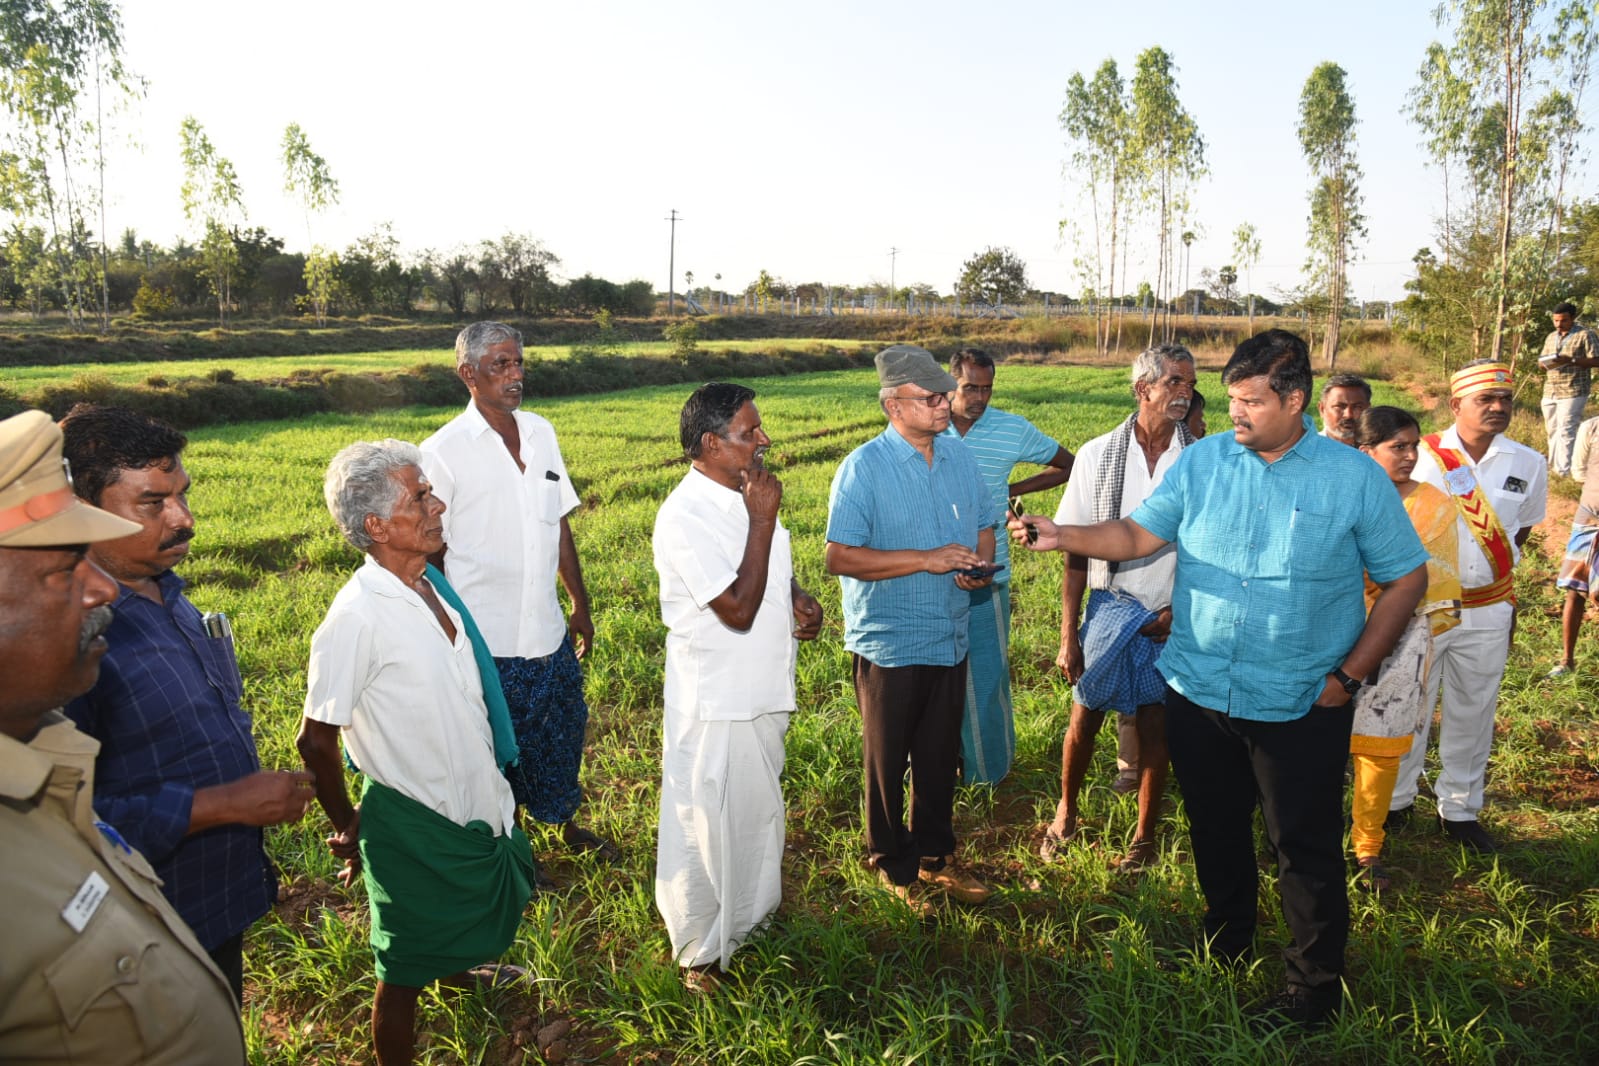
{"x":1016,"y":509}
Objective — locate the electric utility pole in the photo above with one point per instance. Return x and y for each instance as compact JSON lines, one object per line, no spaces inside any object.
{"x":671,"y":265}
{"x":893,"y":253}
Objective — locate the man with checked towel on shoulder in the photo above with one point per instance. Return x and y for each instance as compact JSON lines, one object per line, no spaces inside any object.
{"x":1500,"y":489}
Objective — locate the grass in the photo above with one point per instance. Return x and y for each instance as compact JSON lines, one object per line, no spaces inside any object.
{"x":1472,"y":962}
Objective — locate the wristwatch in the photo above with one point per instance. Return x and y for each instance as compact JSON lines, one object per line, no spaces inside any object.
{"x":1351,"y":685}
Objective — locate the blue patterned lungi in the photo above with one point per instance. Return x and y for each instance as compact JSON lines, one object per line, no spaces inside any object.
{"x":550,"y":717}
{"x":1118,"y":663}
{"x":988,"y":733}
{"x":1576,"y":569}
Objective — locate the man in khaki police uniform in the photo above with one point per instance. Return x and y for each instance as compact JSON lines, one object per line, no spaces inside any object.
{"x":97,"y":965}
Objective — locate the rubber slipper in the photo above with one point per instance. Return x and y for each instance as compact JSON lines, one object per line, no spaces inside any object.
{"x":1371,"y":877}
{"x":581,"y":841}
{"x":1054,"y":843}
{"x":1139,"y":855}
{"x":497,"y":975}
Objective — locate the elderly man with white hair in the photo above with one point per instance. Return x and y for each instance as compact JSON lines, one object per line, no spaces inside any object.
{"x":400,"y":670}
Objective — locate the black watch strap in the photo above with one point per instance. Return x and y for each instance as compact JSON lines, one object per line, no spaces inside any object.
{"x":1350,"y":684}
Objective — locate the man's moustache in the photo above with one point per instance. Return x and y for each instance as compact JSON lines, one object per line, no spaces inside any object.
{"x":95,"y":622}
{"x":182,"y":536}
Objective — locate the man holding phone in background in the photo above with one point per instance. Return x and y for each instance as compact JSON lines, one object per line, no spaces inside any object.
{"x":998,"y":441}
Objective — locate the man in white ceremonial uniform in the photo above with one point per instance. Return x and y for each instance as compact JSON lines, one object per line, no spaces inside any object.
{"x":1500,"y":489}
{"x":732,"y":611}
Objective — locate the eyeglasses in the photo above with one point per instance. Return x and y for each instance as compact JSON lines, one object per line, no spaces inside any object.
{"x":934,"y":400}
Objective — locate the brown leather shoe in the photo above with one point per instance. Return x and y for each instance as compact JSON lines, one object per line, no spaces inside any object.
{"x":910,"y":895}
{"x":957,"y":882}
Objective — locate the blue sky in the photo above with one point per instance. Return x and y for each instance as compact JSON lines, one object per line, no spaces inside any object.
{"x":807,"y":140}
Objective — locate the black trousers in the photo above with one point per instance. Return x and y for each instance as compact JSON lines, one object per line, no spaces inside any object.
{"x":1294,"y":771}
{"x":229,"y":957}
{"x":910,"y":715}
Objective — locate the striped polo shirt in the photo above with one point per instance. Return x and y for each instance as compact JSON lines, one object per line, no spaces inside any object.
{"x":998,"y":441}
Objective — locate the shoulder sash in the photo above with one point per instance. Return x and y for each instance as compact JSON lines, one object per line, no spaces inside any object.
{"x":1486,"y":529}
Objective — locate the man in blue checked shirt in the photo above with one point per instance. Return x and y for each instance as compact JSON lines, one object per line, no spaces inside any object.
{"x":177,"y":776}
{"x":1275,"y":526}
{"x":910,"y":533}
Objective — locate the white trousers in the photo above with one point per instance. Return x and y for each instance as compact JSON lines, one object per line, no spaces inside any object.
{"x":1560,"y":421}
{"x":1469,"y":663}
{"x":719,"y":853}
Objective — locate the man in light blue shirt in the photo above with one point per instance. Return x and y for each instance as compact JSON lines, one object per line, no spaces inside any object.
{"x":910,"y":532}
{"x":998,"y":441}
{"x":1275,"y":526}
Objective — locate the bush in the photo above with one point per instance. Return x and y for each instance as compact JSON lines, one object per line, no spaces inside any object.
{"x":684,"y":337}
{"x":151,"y":302}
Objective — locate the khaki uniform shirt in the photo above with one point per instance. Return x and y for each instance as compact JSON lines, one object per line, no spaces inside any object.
{"x":96,"y":965}
{"x":1568,"y":382}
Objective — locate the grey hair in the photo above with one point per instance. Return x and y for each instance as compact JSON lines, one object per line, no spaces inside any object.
{"x":360,"y":481}
{"x":1345,"y":380}
{"x":473,"y":342}
{"x":1151,"y":363}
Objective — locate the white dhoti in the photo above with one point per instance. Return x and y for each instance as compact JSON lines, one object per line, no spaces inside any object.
{"x":1469,"y":663}
{"x":718,"y":858}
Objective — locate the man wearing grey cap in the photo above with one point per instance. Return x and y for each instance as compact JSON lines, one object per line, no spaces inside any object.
{"x":910,"y":532}
{"x":97,"y":967}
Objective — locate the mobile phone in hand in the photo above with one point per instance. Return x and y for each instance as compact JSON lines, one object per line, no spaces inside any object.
{"x":1016,"y":509}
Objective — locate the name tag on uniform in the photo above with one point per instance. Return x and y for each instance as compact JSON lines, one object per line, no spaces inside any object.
{"x":1461,"y":480}
{"x":81,"y":907}
{"x":1515,"y":484}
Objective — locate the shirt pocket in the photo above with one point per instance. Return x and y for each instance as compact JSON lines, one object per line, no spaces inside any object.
{"x":1507,"y":505}
{"x":547,"y":500}
{"x":120,"y":978}
{"x":221,"y":666}
{"x":1315,"y":540}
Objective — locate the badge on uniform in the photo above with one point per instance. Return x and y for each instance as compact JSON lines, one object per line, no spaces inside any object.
{"x":1515,"y":484}
{"x":1461,"y":480}
{"x":85,"y":901}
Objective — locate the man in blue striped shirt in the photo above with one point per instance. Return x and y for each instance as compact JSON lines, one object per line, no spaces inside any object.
{"x":910,"y":532}
{"x":1275,"y":526}
{"x":998,"y":441}
{"x":177,"y":775}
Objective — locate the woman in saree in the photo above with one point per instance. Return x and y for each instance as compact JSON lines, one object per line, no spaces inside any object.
{"x":1389,"y":710}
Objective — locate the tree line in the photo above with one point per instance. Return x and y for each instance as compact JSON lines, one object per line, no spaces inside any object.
{"x":1498,"y":102}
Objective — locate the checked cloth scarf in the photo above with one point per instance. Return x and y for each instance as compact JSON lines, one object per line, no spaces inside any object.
{"x":1107,"y":488}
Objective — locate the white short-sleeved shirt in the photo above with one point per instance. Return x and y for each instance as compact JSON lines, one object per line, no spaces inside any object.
{"x":1150,"y":578}
{"x":503,"y":527}
{"x":714,"y":672}
{"x":408,"y":700}
{"x":1516,"y":480}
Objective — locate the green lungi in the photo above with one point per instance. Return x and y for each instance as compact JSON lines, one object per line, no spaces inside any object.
{"x":444,"y":897}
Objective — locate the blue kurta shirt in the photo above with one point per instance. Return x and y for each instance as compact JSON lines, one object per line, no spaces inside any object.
{"x":1270,"y":558}
{"x":998,"y":441}
{"x":886,"y":497}
{"x":166,"y":713}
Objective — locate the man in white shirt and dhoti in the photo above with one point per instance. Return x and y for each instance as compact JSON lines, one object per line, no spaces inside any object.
{"x":732,"y":611}
{"x":399,"y":669}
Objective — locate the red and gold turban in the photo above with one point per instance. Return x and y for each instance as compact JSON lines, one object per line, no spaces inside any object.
{"x":1479,"y":378}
